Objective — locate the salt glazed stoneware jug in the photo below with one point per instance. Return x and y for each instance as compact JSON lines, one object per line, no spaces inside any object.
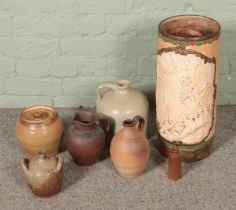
{"x":130,"y":149}
{"x":44,"y":174}
{"x":85,"y":138}
{"x":121,"y":102}
{"x":187,"y":66}
{"x":39,"y":128}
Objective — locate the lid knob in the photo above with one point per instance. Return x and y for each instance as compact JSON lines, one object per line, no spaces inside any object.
{"x":38,"y":114}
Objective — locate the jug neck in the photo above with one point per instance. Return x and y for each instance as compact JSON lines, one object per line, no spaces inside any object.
{"x":85,"y":120}
{"x":137,"y":122}
{"x":84,"y":125}
{"x":42,"y":155}
{"x":121,"y":86}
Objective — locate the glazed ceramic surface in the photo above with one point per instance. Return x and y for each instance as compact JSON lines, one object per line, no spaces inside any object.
{"x":85,"y":138}
{"x":44,"y":174}
{"x":130,"y":149}
{"x":121,"y":102}
{"x":174,"y":164}
{"x":187,"y":66}
{"x":38,"y":129}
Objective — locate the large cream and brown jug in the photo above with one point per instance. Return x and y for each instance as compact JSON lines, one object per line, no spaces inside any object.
{"x":187,"y":66}
{"x":121,"y":102}
{"x":39,"y":129}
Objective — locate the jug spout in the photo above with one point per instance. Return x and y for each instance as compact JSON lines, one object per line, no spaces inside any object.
{"x":84,"y":119}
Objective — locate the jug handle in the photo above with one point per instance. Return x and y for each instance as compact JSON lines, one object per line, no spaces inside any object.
{"x":109,"y":85}
{"x":24,"y":164}
{"x":139,"y":122}
{"x":104,"y":117}
{"x":60,"y":160}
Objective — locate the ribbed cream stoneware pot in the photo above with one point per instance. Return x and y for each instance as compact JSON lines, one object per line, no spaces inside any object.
{"x":44,"y":174}
{"x":187,"y":66}
{"x":39,"y":129}
{"x":121,"y":102}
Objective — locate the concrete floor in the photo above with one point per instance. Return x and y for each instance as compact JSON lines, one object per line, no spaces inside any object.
{"x":207,"y":184}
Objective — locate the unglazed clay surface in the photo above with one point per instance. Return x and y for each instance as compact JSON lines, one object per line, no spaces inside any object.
{"x":130,"y":148}
{"x":186,"y":86}
{"x":85,"y":138}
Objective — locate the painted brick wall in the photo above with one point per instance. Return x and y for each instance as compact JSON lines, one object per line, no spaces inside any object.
{"x":56,"y":51}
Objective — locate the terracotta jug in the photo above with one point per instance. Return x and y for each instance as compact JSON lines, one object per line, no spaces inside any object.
{"x":44,"y":174}
{"x":121,"y":102}
{"x":187,"y":72}
{"x":85,"y":138}
{"x":39,"y":128}
{"x":130,"y":149}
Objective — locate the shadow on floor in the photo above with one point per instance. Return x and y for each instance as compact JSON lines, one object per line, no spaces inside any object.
{"x":73,"y":173}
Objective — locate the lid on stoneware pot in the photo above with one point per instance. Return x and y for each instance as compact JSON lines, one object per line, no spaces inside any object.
{"x":38,"y":115}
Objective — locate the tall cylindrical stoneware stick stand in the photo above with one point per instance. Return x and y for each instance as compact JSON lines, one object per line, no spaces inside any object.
{"x":187,"y":65}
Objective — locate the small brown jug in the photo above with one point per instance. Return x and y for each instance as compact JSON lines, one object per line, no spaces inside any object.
{"x":85,"y":139}
{"x":130,"y":149}
{"x":44,"y":174}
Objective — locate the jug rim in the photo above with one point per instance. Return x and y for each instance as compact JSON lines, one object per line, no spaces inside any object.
{"x":122,"y":83}
{"x":90,"y":118}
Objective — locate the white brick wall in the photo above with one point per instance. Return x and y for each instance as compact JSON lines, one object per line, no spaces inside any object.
{"x":56,"y":51}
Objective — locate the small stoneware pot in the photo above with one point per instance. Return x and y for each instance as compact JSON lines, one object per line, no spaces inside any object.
{"x":85,"y":138}
{"x":39,"y":128}
{"x":44,"y":174}
{"x":130,"y":149}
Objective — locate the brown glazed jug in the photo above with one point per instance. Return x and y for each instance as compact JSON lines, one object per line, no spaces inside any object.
{"x":85,"y":138}
{"x":39,"y":128}
{"x":44,"y":174}
{"x":130,"y":149}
